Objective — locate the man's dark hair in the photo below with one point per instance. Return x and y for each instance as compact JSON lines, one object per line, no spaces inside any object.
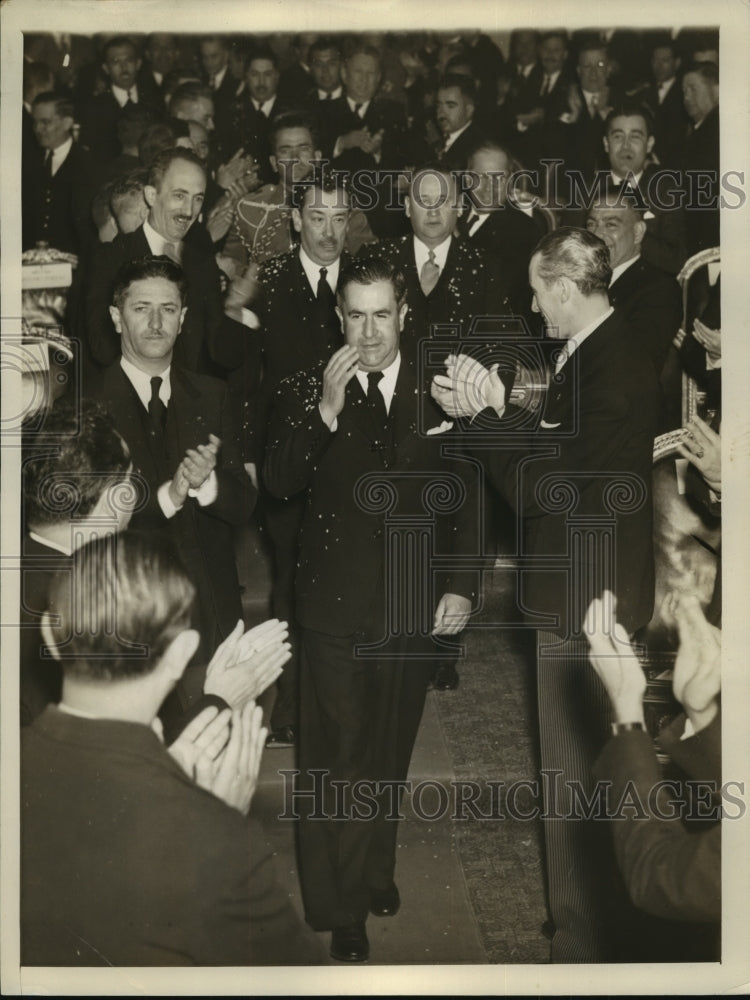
{"x":164,"y":160}
{"x":356,"y":47}
{"x":320,"y":180}
{"x":127,"y":597}
{"x":262,"y":52}
{"x":291,"y":119}
{"x":63,"y":104}
{"x":324,"y":44}
{"x":368,"y":270}
{"x":708,"y":70}
{"x":127,"y":185}
{"x":560,"y":33}
{"x":132,"y":122}
{"x":188,"y":93}
{"x":223,"y":40}
{"x":147,"y":267}
{"x":575,"y":254}
{"x":160,"y":136}
{"x":630,"y":109}
{"x":36,"y":75}
{"x":462,"y":82}
{"x":664,"y":41}
{"x":72,"y":459}
{"x":118,"y":42}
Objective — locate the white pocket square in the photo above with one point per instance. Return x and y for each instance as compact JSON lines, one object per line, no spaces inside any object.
{"x":445,"y":426}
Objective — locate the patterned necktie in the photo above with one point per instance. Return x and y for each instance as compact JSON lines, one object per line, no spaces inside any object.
{"x":172,"y":250}
{"x":157,"y":413}
{"x":375,"y":400}
{"x":428,"y":276}
{"x":594,"y":108}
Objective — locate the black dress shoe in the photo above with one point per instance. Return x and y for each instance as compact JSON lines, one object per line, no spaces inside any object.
{"x":284,"y":736}
{"x":385,"y":902}
{"x":350,"y":944}
{"x":445,"y":678}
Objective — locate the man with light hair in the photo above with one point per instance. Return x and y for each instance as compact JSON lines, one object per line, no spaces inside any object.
{"x":133,"y":855}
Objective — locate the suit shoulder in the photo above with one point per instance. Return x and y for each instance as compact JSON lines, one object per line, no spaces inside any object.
{"x":277,"y":268}
{"x":304,"y":386}
{"x":198,"y":383}
{"x":389,"y":249}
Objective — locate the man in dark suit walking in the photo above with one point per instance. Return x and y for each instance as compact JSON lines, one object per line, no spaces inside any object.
{"x":58,"y":180}
{"x":584,"y":506}
{"x":334,"y":430}
{"x":184,"y":442}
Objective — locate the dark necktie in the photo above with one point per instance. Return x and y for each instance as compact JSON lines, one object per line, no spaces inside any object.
{"x":157,"y":413}
{"x":357,"y":109}
{"x":545,"y":86}
{"x":375,"y":400}
{"x":326,"y":298}
{"x":48,"y":165}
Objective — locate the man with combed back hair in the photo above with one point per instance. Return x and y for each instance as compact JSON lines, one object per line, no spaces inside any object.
{"x":580,"y":483}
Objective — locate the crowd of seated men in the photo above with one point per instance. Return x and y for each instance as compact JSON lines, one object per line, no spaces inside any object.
{"x":211,"y":189}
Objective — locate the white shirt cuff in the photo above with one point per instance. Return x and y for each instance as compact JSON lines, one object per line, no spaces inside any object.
{"x":168,"y":509}
{"x":332,"y":427}
{"x":249,"y":318}
{"x":208,"y":490}
{"x":712,"y":366}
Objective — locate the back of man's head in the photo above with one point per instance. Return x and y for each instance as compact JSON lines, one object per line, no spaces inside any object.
{"x":577,"y":255}
{"x":73,"y":459}
{"x":159,"y":136}
{"x":125,"y":600}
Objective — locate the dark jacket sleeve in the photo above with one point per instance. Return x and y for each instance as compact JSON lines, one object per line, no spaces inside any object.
{"x":297,"y":437}
{"x":669,"y":872}
{"x":236,"y":497}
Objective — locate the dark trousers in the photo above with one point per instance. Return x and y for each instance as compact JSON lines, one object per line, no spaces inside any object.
{"x":574,"y":717}
{"x":358,"y":721}
{"x":282,"y":519}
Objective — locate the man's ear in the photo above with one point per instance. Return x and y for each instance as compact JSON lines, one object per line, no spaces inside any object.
{"x":340,"y":315}
{"x":565,"y":286}
{"x":114,"y":312}
{"x":297,"y":220}
{"x":605,"y":140}
{"x":402,"y":311}
{"x":49,"y":636}
{"x":274,"y":163}
{"x":650,"y":143}
{"x":407,"y":206}
{"x":179,"y":653}
{"x":149,"y":193}
{"x":106,"y":70}
{"x":639,"y":231}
